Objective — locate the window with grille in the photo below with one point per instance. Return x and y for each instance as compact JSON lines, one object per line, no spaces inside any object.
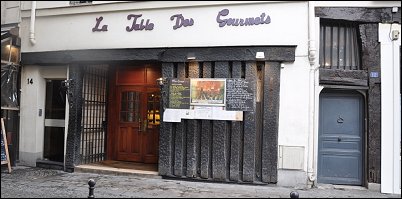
{"x":339,"y":46}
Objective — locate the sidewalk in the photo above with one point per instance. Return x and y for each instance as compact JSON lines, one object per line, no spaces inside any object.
{"x":27,"y":182}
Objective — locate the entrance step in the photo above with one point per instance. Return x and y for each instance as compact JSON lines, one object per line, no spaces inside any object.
{"x":47,"y":164}
{"x":116,"y":171}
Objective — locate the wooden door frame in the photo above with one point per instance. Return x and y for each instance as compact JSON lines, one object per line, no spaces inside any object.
{"x":113,"y":113}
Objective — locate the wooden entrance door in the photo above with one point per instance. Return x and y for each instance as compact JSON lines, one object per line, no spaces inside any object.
{"x":131,"y":115}
{"x":137,"y":126}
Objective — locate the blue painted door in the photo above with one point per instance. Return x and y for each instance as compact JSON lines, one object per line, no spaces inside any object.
{"x":340,"y":157}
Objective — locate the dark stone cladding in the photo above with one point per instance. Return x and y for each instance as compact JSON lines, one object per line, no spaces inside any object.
{"x":225,"y":151}
{"x":363,"y":15}
{"x":74,"y":121}
{"x":247,"y":53}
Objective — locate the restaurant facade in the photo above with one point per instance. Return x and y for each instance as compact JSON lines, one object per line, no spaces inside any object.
{"x":287,"y":93}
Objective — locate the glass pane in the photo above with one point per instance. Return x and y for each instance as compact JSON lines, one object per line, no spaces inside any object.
{"x":131,"y":96}
{"x":130,"y":106}
{"x":137,"y":97}
{"x":124,"y":96}
{"x":123,"y":105}
{"x":137,"y":106}
{"x":123,"y":116}
{"x":130,"y":117}
{"x":341,"y":47}
{"x":347,"y":48}
{"x":322,"y":63}
{"x":356,"y":50}
{"x":353,"y":45}
{"x":335,"y":47}
{"x":136,"y":116}
{"x":153,"y":112}
{"x":328,"y":47}
{"x":55,"y":106}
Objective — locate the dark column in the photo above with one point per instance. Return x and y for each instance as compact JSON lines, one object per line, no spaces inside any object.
{"x":220,"y":134}
{"x":180,"y":136}
{"x":193,"y":132}
{"x":250,"y":129}
{"x":270,"y":122}
{"x":166,"y":134}
{"x":236,"y":136}
{"x":206,"y":135}
{"x":75,"y":115}
{"x":372,"y":63}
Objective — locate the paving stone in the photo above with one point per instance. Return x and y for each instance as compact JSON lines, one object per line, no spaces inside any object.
{"x":27,"y":182}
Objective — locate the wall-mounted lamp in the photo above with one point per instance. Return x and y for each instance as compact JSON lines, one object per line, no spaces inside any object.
{"x":190,"y":56}
{"x":161,"y":81}
{"x":66,"y":86}
{"x":10,"y":49}
{"x":260,"y":55}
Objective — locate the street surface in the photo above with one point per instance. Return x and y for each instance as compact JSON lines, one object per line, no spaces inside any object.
{"x":27,"y":182}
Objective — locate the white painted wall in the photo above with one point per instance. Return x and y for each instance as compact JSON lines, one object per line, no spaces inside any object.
{"x":390,"y":109}
{"x":71,"y":32}
{"x":293,"y":107}
{"x":10,"y":12}
{"x":371,"y":4}
{"x":33,"y":99}
{"x":3,"y":12}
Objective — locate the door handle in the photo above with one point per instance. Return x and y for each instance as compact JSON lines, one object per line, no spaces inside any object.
{"x":145,"y":125}
{"x":139,"y":125}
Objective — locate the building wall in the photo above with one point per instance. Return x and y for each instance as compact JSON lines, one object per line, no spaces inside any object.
{"x":391,"y":109}
{"x":10,"y":12}
{"x":288,"y":27}
{"x":32,"y":100}
{"x":50,"y":24}
{"x":372,"y":56}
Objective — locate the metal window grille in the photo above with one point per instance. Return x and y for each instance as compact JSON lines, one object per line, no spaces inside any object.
{"x":339,"y":46}
{"x":94,"y":114}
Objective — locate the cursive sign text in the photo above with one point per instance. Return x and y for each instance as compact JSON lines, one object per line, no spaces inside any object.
{"x":262,"y":19}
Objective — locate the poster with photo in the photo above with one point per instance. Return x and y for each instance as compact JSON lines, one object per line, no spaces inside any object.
{"x":208,"y":91}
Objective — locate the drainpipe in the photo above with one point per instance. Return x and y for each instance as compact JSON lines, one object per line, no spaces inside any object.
{"x":313,"y":67}
{"x":32,"y":26}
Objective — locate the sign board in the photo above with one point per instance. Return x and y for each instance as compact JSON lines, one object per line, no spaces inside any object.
{"x":209,"y":98}
{"x":235,"y":94}
{"x":239,"y":95}
{"x":5,"y":158}
{"x":179,"y":93}
{"x":208,"y":91}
